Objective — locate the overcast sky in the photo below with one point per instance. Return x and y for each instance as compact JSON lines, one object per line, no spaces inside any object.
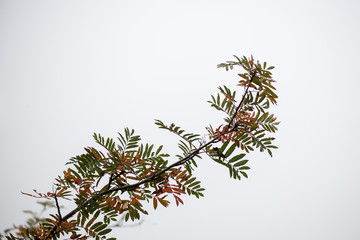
{"x":71,"y":68}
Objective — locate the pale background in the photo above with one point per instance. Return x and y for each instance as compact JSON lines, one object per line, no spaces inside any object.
{"x":71,"y":68}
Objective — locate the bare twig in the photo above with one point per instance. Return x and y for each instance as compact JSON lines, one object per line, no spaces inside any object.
{"x":242,"y":100}
{"x":58,"y":207}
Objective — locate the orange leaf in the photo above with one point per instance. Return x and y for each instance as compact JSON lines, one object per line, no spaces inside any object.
{"x":117,"y":207}
{"x":178,"y":191}
{"x":178,"y":200}
{"x":163,"y":202}
{"x":75,"y":236}
{"x":133,"y":201}
{"x":168,"y":190}
{"x":138,"y":196}
{"x":155,"y":203}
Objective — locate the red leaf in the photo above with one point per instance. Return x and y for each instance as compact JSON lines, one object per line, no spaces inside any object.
{"x":178,"y":200}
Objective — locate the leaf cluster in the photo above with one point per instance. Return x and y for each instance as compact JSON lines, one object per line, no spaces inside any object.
{"x":248,"y":122}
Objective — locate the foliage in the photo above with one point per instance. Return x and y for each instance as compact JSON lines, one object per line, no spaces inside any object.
{"x":119,"y":178}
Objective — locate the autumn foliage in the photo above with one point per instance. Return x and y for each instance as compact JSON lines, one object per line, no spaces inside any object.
{"x":117,"y":178}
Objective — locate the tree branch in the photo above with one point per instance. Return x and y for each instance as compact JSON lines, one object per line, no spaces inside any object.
{"x":156,"y":175}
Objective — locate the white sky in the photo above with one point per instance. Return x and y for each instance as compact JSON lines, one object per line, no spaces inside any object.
{"x":71,"y":68}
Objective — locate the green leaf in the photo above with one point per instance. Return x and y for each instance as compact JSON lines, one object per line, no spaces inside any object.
{"x":93,"y":219}
{"x":237,"y":157}
{"x":243,"y":162}
{"x":245,"y":168}
{"x":194,"y":183}
{"x":106,"y":231}
{"x":158,"y":150}
{"x":230,"y":171}
{"x":101,"y":227}
{"x":222,"y":148}
{"x":230,"y":150}
{"x":96,"y":225}
{"x":244,"y":174}
{"x":127,"y":217}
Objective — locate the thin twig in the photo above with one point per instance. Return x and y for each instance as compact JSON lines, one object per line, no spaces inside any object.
{"x":58,"y":207}
{"x":241,"y":102}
